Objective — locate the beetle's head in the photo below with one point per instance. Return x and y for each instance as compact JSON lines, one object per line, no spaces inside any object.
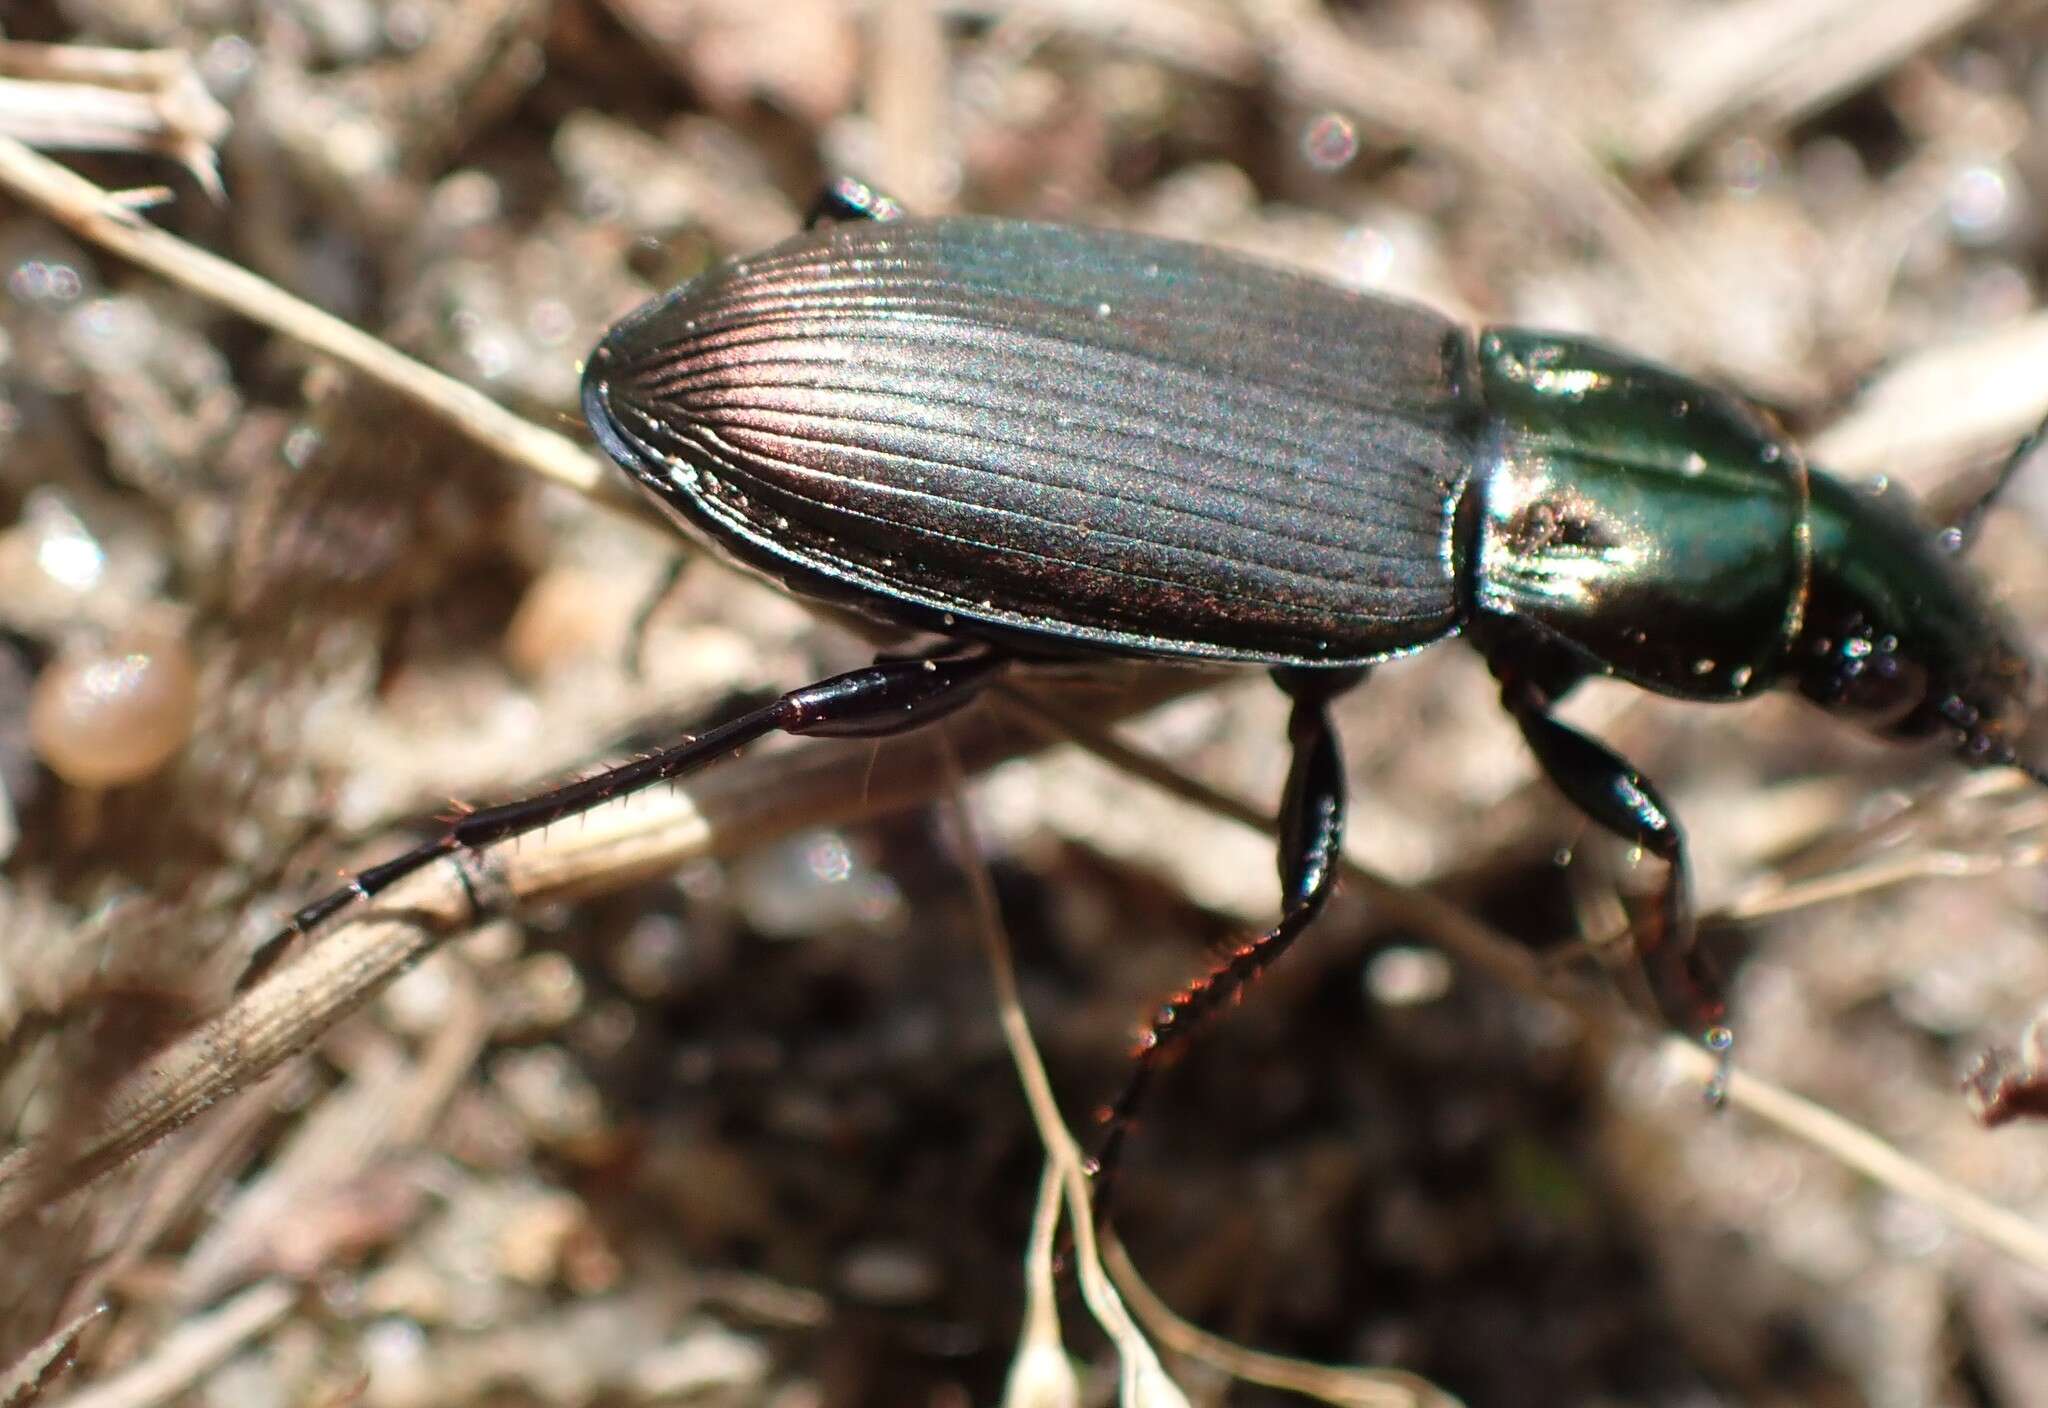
{"x":1898,"y":636}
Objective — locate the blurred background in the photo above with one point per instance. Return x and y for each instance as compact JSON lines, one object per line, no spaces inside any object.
{"x":744,"y":1132}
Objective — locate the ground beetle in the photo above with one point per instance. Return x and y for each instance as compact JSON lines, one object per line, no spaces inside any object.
{"x":1041,"y":444}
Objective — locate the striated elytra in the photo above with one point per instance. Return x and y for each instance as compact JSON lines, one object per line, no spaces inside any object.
{"x":1040,"y":443}
{"x":1059,"y":436}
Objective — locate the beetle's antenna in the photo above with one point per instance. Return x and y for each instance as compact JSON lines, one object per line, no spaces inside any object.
{"x":2000,"y":754}
{"x":1983,"y":748}
{"x":1964,"y":531}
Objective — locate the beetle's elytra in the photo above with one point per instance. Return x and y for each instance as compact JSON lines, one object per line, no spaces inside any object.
{"x":1044,"y":443}
{"x":1055,"y":436}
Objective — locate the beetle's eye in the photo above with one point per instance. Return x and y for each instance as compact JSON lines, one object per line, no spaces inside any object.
{"x":1878,"y":686}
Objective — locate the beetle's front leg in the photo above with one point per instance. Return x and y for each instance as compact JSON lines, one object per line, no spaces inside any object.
{"x":1613,"y":794}
{"x":1311,"y":848}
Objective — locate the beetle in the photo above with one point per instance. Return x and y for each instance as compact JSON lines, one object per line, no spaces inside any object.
{"x":1041,"y":444}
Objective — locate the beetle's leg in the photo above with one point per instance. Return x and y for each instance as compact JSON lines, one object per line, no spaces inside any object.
{"x":847,"y":199}
{"x":1613,"y":794}
{"x":1311,"y":845}
{"x":890,"y":696}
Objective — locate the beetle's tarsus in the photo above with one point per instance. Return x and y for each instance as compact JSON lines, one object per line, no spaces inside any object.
{"x":1720,"y":1043}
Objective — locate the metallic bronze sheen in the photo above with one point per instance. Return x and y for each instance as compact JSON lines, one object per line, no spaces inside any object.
{"x":1057,"y":437}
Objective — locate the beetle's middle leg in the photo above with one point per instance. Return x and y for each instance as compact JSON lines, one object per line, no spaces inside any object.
{"x":1311,"y":847}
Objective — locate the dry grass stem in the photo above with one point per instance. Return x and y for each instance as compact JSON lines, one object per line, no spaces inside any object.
{"x":771,"y":793}
{"x":1857,"y":1148}
{"x":1143,"y":1383}
{"x":1340,"y":1384}
{"x":1771,"y":62}
{"x":71,"y":97}
{"x":105,"y":220}
{"x":195,"y":1347}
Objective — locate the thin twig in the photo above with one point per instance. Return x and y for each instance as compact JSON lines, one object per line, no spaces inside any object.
{"x":1767,"y":63}
{"x":99,"y":216}
{"x":1341,"y":1384}
{"x":1142,"y":1380}
{"x":182,"y":1357}
{"x":80,"y":98}
{"x":1040,"y":1375}
{"x":1869,"y":1155}
{"x":45,"y":1361}
{"x":1775,"y":896}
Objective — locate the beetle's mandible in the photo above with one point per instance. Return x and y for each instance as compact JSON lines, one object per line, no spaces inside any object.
{"x":1042,"y":443}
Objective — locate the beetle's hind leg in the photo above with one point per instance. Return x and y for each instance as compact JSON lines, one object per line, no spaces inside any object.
{"x":887,"y":697}
{"x":1311,"y":847}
